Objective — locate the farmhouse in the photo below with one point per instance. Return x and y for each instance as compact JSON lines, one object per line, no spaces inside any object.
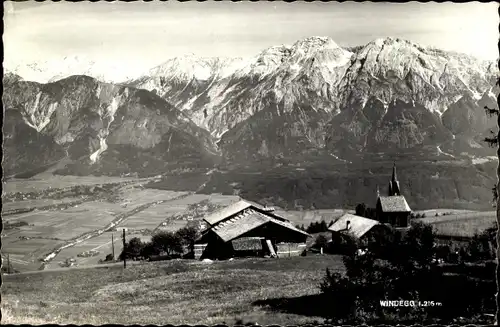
{"x":357,"y":227}
{"x":248,"y":229}
{"x":393,"y":209}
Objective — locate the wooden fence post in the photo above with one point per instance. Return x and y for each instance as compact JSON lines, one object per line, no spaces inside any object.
{"x":124,"y":252}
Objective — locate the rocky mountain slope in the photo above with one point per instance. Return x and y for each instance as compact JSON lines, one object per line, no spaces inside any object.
{"x":313,"y":99}
{"x":98,"y":127}
{"x":317,"y":96}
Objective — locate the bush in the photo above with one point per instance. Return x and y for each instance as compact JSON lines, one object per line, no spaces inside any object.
{"x":342,"y":244}
{"x":321,"y":242}
{"x":481,"y":247}
{"x":408,"y":271}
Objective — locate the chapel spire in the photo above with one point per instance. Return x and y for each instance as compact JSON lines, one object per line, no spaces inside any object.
{"x":394,"y":175}
{"x":394,"y":183}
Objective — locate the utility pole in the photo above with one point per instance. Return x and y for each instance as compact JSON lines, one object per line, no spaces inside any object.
{"x":124,"y":252}
{"x":112,"y":246}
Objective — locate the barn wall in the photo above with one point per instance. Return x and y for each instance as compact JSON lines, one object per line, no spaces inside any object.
{"x":198,"y":250}
{"x":277,"y":234}
{"x":290,"y":249}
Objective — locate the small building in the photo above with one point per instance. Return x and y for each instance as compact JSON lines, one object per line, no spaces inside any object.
{"x":393,"y":208}
{"x":246,"y":229}
{"x":352,"y":227}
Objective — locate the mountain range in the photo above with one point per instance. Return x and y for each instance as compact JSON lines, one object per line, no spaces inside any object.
{"x":310,"y":101}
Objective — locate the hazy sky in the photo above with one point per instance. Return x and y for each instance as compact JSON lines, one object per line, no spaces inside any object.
{"x":146,"y":34}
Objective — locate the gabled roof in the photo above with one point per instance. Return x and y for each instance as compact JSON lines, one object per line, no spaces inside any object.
{"x":245,"y":221}
{"x":358,"y":226}
{"x":239,"y":225}
{"x":288,"y":225}
{"x":237,"y":207}
{"x":228,"y":211}
{"x":396,"y":203}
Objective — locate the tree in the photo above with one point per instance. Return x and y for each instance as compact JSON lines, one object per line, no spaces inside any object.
{"x":317,"y":227}
{"x":148,"y":250}
{"x":361,"y":210}
{"x":494,"y":141}
{"x":167,"y":242}
{"x":188,"y":236}
{"x":133,"y":248}
{"x":419,"y":243}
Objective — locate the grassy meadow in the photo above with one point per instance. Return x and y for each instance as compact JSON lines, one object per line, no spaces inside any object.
{"x":174,"y":292}
{"x":461,"y":225}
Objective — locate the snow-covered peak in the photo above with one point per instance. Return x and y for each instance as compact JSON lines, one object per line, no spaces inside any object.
{"x":191,"y":66}
{"x":315,"y":51}
{"x":320,"y":52}
{"x":315,"y":43}
{"x":58,"y":68}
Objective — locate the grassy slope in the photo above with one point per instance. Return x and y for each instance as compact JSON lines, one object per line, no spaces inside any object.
{"x":425,"y":184}
{"x":175,"y":292}
{"x":465,"y":224}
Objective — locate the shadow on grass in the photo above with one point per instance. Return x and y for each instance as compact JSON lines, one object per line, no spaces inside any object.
{"x":308,"y":305}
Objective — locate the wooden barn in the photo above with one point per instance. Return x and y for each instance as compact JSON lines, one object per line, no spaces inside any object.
{"x":248,"y":229}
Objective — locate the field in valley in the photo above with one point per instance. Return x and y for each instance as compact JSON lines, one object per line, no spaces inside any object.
{"x":41,"y":219}
{"x":461,"y":224}
{"x":42,"y":182}
{"x":175,"y":214}
{"x":173,"y":292}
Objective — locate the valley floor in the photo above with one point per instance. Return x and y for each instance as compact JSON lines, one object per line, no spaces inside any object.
{"x":45,"y":213}
{"x":174,"y":292}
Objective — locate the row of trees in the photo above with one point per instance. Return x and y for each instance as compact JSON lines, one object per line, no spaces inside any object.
{"x":364,"y":211}
{"x":371,"y":213}
{"x":316,"y":227}
{"x":163,"y":242}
